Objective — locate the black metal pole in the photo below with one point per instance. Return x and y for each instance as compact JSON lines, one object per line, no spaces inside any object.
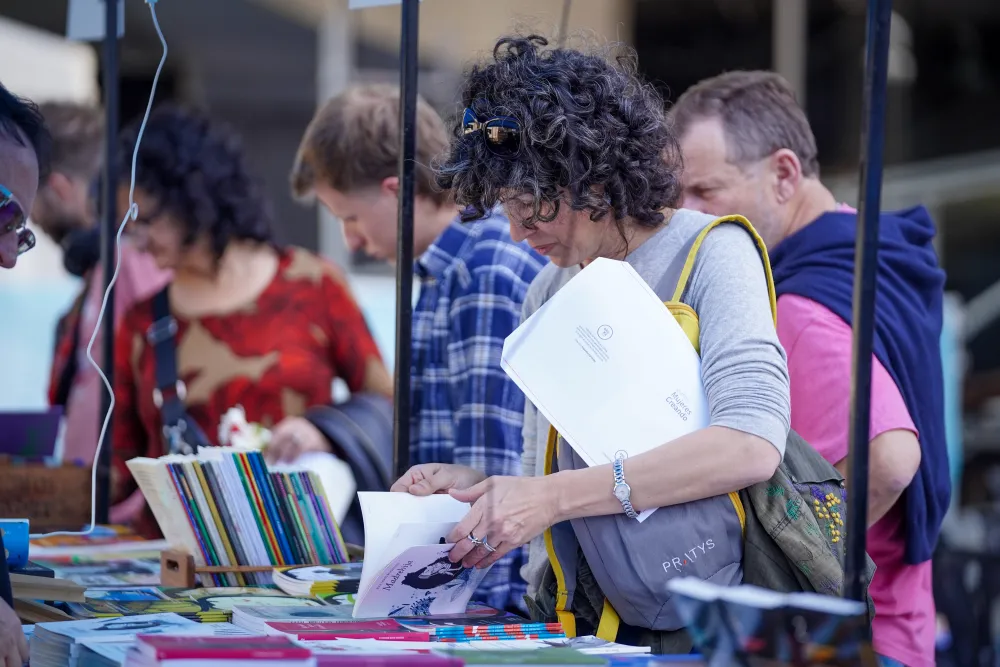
{"x":404,"y":247}
{"x":109,"y":220}
{"x":866,"y":262}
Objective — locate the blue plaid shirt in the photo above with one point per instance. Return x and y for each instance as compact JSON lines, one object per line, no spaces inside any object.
{"x":465,"y":409}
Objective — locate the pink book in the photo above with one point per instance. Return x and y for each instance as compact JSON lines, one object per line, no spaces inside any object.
{"x":385,"y":630}
{"x":162,"y":647}
{"x":408,"y":660}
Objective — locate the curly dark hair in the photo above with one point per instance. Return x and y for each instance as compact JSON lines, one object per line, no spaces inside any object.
{"x":594,"y":134}
{"x":196,"y":170}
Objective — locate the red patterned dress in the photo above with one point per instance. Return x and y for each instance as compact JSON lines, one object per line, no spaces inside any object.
{"x":276,"y":358}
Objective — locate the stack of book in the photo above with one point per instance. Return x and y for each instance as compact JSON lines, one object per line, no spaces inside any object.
{"x":321,"y":580}
{"x":327,"y":623}
{"x":160,"y":651}
{"x":227,"y":509}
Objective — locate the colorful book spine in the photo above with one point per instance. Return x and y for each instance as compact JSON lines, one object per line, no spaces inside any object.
{"x":195,"y":520}
{"x":240,"y":513}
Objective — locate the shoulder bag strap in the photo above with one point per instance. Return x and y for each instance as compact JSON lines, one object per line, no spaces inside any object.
{"x":170,"y":391}
{"x":679,"y":271}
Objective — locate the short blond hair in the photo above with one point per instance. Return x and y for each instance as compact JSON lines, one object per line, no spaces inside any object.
{"x":353,"y":142}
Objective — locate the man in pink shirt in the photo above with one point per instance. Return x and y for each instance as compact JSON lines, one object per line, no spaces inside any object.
{"x":748,"y":149}
{"x":65,"y":209}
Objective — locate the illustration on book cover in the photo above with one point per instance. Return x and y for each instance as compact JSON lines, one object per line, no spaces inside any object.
{"x":421,"y":581}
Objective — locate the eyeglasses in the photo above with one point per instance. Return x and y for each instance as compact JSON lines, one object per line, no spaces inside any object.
{"x":14,"y":221}
{"x":501,"y":133}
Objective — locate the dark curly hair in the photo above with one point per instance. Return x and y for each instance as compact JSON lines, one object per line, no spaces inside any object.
{"x":592,"y":129}
{"x":196,"y":170}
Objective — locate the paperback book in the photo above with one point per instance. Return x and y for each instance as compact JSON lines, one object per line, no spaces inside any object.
{"x":226,"y":507}
{"x":407,"y":571}
{"x":310,"y":580}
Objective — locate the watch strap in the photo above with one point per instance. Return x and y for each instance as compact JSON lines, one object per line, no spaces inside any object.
{"x":620,"y":483}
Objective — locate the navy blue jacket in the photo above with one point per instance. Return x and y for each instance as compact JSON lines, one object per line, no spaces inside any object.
{"x":817,"y":263}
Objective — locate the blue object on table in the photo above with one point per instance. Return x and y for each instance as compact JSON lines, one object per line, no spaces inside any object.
{"x":15,"y":541}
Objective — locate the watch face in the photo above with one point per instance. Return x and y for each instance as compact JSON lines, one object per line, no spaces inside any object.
{"x":622,"y":491}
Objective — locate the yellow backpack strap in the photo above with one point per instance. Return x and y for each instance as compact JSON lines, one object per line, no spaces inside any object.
{"x":564,"y":615}
{"x":607,"y":629}
{"x":761,"y":248}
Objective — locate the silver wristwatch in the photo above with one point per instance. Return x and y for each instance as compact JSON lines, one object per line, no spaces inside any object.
{"x":622,"y":491}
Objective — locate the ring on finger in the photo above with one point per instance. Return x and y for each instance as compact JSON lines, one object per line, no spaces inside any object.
{"x":486,"y":545}
{"x":475,"y":540}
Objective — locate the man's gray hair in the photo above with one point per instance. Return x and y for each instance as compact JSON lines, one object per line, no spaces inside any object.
{"x":759,"y":115}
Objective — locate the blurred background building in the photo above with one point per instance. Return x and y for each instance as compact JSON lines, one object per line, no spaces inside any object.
{"x":264,"y":65}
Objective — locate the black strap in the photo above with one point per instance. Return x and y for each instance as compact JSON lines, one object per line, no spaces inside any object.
{"x":68,"y":373}
{"x":181,"y":434}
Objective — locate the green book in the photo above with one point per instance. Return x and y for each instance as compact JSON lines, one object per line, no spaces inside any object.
{"x":545,"y":656}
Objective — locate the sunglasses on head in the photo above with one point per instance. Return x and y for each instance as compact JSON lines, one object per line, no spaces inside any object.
{"x":502,"y":134}
{"x":13,"y":220}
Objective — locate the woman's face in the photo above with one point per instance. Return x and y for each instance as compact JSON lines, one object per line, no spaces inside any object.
{"x":569,"y":239}
{"x":153,"y":231}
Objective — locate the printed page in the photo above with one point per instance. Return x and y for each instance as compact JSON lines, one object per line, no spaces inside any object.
{"x":606,"y":363}
{"x":385,"y":512}
{"x":418,"y":582}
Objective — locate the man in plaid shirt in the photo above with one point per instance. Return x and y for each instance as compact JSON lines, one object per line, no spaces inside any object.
{"x":472,"y":279}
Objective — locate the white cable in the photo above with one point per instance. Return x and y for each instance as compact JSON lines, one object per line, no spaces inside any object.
{"x":132,"y":213}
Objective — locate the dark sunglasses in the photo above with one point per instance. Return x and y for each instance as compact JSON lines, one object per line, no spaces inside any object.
{"x":501,"y":133}
{"x":14,"y":221}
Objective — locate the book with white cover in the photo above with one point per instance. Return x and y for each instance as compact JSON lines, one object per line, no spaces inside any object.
{"x":406,"y":571}
{"x":608,"y":365}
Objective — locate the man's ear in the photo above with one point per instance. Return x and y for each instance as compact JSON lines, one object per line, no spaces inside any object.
{"x":787,"y":171}
{"x":390,"y":185}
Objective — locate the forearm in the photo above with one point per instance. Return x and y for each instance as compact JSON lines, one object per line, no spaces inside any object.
{"x":894,"y":457}
{"x":881,"y":497}
{"x":710,"y":462}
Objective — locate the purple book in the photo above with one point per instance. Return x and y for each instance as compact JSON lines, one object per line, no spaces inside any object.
{"x":29,"y":435}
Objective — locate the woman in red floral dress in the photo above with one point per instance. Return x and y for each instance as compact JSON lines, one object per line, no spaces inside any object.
{"x":260,"y":326}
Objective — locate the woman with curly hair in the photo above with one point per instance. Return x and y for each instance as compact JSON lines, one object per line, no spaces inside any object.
{"x":256,"y":325}
{"x":577,"y":149}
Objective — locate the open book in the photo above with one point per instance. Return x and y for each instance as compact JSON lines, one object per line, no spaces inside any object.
{"x":406,"y":570}
{"x":608,"y":366}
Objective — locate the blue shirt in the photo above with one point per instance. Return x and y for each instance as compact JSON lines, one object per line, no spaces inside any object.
{"x":466,"y":410}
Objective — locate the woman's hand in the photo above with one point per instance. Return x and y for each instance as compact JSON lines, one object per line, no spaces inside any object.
{"x":507,"y":512}
{"x":428,"y":478}
{"x":293,"y":437}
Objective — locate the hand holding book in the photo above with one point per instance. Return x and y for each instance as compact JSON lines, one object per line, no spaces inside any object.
{"x":507,"y":512}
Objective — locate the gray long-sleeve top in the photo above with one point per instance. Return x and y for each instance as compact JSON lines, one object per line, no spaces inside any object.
{"x":744,"y":368}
